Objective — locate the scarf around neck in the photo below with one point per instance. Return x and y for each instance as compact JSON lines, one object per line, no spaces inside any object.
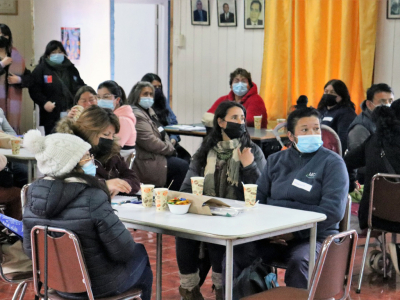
{"x":224,"y":150}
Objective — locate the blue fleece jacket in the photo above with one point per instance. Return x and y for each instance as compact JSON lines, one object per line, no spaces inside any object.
{"x":308,"y":181}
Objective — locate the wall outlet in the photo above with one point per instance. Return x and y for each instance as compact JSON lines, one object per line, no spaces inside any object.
{"x":179,"y":41}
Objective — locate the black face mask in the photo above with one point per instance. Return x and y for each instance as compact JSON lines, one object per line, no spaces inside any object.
{"x":103,"y":148}
{"x":158,"y":95}
{"x":329,"y":100}
{"x":234,"y":130}
{"x":4,"y":42}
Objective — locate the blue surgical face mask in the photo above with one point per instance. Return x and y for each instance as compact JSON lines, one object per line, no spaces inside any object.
{"x":146,"y":102}
{"x":309,"y":143}
{"x":57,"y":58}
{"x":240,"y":89}
{"x":89,"y":168}
{"x":103,"y":103}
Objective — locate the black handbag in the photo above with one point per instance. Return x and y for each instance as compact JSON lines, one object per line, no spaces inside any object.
{"x":6,"y":177}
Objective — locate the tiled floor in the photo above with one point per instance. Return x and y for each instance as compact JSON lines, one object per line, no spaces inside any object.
{"x":374,"y":287}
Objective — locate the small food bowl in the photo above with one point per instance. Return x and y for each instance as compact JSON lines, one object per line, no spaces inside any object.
{"x":179,"y":209}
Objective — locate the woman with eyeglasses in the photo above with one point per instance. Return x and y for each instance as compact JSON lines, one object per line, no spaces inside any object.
{"x":99,"y":126}
{"x":227,"y":158}
{"x":55,"y":83}
{"x":243,"y":91}
{"x":70,"y":197}
{"x":111,"y":95}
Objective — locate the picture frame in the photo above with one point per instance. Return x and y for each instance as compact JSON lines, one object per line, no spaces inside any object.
{"x":254,"y":14}
{"x":9,"y":7}
{"x":393,"y":9}
{"x":226,"y":13}
{"x":200,"y":11}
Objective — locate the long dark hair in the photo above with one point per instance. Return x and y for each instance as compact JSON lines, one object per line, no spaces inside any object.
{"x":387,"y":124}
{"x":50,"y":47}
{"x":83,"y":89}
{"x":114,"y":89}
{"x":160,"y":102}
{"x":215,"y":135}
{"x":5,"y":30}
{"x":340,"y":89}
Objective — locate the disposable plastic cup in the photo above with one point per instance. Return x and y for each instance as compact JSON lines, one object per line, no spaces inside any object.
{"x":15,"y":146}
{"x":161,"y":198}
{"x":250,"y":194}
{"x":197,"y":185}
{"x":257,"y":122}
{"x":147,"y":194}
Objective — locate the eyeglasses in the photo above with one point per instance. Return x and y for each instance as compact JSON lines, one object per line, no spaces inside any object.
{"x":106,"y":96}
{"x":88,"y":157}
{"x":91,"y":101}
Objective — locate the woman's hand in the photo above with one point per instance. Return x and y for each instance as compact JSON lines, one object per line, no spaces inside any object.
{"x":13,"y":79}
{"x":49,"y":106}
{"x":282,"y":239}
{"x":246,"y":157}
{"x":117,"y":185}
{"x":6,"y":61}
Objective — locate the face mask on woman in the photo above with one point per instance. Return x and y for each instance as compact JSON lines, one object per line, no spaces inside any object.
{"x":240,"y":89}
{"x":57,"y":58}
{"x":329,"y":100}
{"x":146,"y":102}
{"x":309,"y":143}
{"x":103,"y":103}
{"x":234,"y":130}
{"x":89,"y":168}
{"x":104,"y":147}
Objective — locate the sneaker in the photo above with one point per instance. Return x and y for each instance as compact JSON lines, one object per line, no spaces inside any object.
{"x":194,"y":294}
{"x":394,"y":250}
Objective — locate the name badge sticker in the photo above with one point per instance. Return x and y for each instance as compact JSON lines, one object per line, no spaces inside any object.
{"x":302,"y":185}
{"x":1,"y":120}
{"x":160,"y":129}
{"x":328,"y":119}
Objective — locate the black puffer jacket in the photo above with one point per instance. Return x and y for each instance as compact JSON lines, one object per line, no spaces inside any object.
{"x":107,"y":244}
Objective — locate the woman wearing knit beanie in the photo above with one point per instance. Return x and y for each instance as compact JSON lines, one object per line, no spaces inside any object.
{"x":70,"y":197}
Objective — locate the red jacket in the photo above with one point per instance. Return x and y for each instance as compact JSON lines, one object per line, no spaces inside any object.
{"x":253,"y":103}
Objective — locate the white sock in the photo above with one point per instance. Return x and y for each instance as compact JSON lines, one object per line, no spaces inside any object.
{"x":189,"y":281}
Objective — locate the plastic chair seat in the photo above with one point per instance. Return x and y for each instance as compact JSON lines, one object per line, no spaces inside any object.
{"x":133,"y":293}
{"x":280,"y":293}
{"x":19,"y":275}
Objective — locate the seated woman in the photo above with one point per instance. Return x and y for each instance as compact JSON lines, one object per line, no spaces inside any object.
{"x":308,"y":177}
{"x":98,"y":126}
{"x":155,"y":161}
{"x":10,"y":196}
{"x":243,"y":91}
{"x":86,"y":96}
{"x":70,"y":197}
{"x":227,"y":157}
{"x":112,"y":96}
{"x":337,"y":109}
{"x":368,"y":154}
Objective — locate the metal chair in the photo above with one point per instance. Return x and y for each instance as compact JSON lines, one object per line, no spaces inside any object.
{"x":24,"y":191}
{"x":130,"y":159}
{"x":383,"y":204}
{"x":64,"y":269}
{"x":331,"y":276}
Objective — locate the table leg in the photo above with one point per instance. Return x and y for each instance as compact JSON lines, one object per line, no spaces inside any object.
{"x":29,"y":171}
{"x":229,"y":270}
{"x":313,"y":246}
{"x":158,"y":266}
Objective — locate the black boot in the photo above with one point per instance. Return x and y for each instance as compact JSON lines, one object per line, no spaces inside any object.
{"x":191,"y":295}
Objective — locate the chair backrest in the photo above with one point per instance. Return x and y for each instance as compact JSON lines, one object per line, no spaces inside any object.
{"x":344,"y":224}
{"x":384,"y":198}
{"x":66,"y":269}
{"x":334,"y":268}
{"x":130,"y":159}
{"x":24,"y":192}
{"x":331,"y":139}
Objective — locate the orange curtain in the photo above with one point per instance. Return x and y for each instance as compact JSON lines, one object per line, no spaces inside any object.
{"x":308,"y":42}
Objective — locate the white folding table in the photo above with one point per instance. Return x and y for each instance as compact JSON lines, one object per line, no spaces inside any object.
{"x":258,"y":223}
{"x":24,"y":156}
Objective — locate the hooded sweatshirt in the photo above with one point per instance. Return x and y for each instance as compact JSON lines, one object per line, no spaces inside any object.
{"x":127,"y":121}
{"x":106,"y":244}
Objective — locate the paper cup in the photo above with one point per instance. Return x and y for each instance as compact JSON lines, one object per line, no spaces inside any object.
{"x":147,"y":194}
{"x":15,"y":146}
{"x":257,"y":122}
{"x":161,"y":198}
{"x":197,"y":185}
{"x":79,"y":109}
{"x":250,"y":194}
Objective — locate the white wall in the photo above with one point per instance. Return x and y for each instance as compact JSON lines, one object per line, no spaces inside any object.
{"x":387,"y":58}
{"x":93,"y":17}
{"x":201,"y":68}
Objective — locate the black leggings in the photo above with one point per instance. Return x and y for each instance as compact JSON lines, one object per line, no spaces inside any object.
{"x":176,"y":171}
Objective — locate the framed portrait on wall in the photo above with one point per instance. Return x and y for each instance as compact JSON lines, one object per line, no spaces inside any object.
{"x":226,"y":13}
{"x":200,"y":12}
{"x":393,"y":9}
{"x":254,"y":12}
